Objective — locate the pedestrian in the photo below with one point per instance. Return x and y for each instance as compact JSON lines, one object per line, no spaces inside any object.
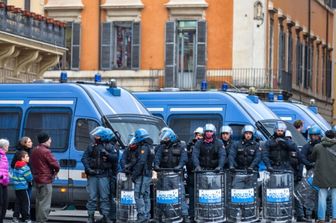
{"x":172,"y":154}
{"x":197,"y":135}
{"x":138,"y":160}
{"x":24,"y":144}
{"x":100,"y":161}
{"x":299,"y":125}
{"x":246,"y":153}
{"x":44,"y":168}
{"x":209,"y":152}
{"x":4,"y":178}
{"x":226,"y":137}
{"x":324,"y":155}
{"x":21,"y":179}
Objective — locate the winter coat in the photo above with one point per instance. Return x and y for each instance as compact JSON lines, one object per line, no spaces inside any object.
{"x":44,"y":165}
{"x":324,"y":155}
{"x":4,"y":171}
{"x":22,"y":176}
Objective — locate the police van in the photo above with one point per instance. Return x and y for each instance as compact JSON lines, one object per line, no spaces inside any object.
{"x":68,"y":112}
{"x":291,"y":111}
{"x":185,"y":111}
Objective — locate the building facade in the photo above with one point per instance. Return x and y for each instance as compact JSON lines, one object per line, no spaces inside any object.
{"x":146,"y":45}
{"x":30,"y":43}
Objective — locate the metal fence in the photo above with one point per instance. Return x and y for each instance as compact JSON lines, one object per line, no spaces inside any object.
{"x":27,"y":24}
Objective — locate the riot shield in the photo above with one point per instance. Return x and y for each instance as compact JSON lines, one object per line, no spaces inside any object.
{"x":306,"y":193}
{"x":168,"y":196}
{"x":126,"y":208}
{"x":209,"y":196}
{"x":278,"y":196}
{"x":242,"y":205}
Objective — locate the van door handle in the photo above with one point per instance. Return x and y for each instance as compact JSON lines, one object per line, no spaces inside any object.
{"x":68,"y":163}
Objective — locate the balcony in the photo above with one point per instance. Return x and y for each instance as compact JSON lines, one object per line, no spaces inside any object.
{"x":29,"y":44}
{"x":30,"y":25}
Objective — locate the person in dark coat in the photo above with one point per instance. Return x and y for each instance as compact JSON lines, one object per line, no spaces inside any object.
{"x":44,"y":168}
{"x":226,"y":137}
{"x":25,"y":144}
{"x":324,"y":155}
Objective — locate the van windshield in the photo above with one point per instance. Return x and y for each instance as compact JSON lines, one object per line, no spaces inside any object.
{"x":267,"y":126}
{"x":127,"y":124}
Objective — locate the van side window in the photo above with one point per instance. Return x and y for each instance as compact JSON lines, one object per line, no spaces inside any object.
{"x":10,"y":121}
{"x":236,"y":129}
{"x":184,"y":125}
{"x":82,"y":135}
{"x":55,"y":121}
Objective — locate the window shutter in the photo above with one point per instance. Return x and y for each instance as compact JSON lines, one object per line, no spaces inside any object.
{"x":170,"y":61}
{"x":106,"y":46}
{"x":136,"y":35}
{"x":201,"y":52}
{"x":75,"y":45}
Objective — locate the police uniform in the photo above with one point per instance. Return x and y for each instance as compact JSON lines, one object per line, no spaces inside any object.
{"x":245,"y":154}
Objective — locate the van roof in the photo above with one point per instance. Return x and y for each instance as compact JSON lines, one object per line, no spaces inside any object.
{"x":108,"y":103}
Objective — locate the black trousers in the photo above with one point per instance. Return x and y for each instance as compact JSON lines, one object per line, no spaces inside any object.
{"x":22,"y":204}
{"x":3,"y":202}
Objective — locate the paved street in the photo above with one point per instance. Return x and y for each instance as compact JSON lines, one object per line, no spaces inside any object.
{"x":61,"y":216}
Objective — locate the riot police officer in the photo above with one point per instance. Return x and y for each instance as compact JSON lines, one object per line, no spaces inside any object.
{"x":138,"y":159}
{"x":172,"y":154}
{"x":209,"y":152}
{"x":246,"y":153}
{"x":278,"y":149}
{"x":314,"y":138}
{"x":100,"y":160}
{"x":197,"y":135}
{"x":226,"y":137}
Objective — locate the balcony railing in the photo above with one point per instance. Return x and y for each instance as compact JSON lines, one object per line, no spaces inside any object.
{"x":30,"y":25}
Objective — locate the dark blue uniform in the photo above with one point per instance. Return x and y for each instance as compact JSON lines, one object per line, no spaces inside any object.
{"x":172,"y":155}
{"x":228,"y":146}
{"x":245,"y":154}
{"x":306,"y":152}
{"x":209,"y":156}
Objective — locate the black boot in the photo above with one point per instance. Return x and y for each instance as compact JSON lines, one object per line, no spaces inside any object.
{"x":106,"y":219}
{"x":91,"y":218}
{"x":186,"y":219}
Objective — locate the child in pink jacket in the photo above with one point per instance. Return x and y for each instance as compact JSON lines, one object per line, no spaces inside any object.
{"x":4,"y":178}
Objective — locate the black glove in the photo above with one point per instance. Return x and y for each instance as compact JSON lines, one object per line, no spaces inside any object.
{"x":218,"y":169}
{"x":249,"y":170}
{"x":198,"y":168}
{"x":156,"y":168}
{"x":90,"y":171}
{"x":232,"y":169}
{"x":177,"y":168}
{"x":270,"y":169}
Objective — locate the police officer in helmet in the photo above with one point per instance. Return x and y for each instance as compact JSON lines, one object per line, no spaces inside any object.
{"x":172,"y":154}
{"x":278,"y":149}
{"x":226,"y":137}
{"x":246,"y":153}
{"x":138,"y":159}
{"x":100,"y":160}
{"x":209,"y":152}
{"x":314,"y":134}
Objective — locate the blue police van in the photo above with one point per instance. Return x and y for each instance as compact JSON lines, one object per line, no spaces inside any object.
{"x":185,"y":111}
{"x":68,"y":112}
{"x":291,"y":111}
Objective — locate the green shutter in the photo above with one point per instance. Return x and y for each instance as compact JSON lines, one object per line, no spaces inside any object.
{"x":106,"y":46}
{"x":201,"y":51}
{"x":170,"y":55}
{"x":75,"y":45}
{"x":136,"y":39}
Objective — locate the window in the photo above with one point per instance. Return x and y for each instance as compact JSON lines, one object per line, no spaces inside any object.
{"x":270,"y":59}
{"x":328,"y":75}
{"x":184,"y":125}
{"x":83,"y":129}
{"x":317,"y":69}
{"x":70,"y":60}
{"x":290,"y":53}
{"x":282,"y":52}
{"x":55,"y":121}
{"x":120,"y":45}
{"x":298,"y":61}
{"x":236,"y":129}
{"x":10,"y":121}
